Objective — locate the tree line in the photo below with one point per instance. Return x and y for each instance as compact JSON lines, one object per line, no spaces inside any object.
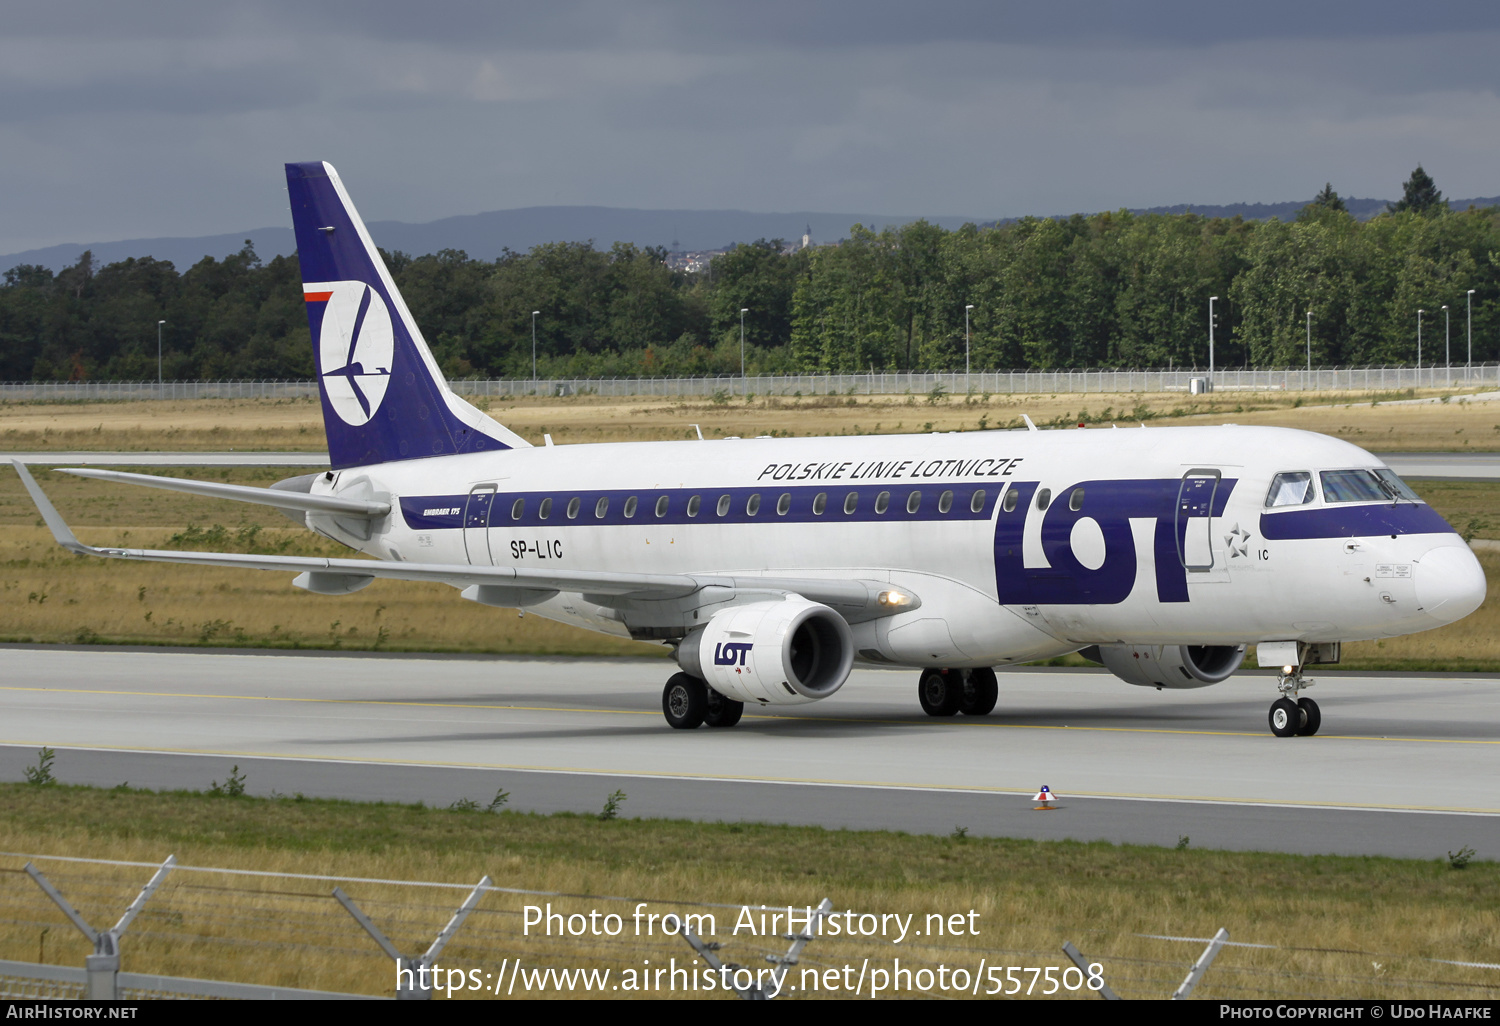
{"x":1107,"y":290}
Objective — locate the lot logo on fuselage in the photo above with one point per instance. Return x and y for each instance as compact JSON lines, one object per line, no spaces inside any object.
{"x":731,"y":653}
{"x":1084,"y":547}
{"x":356,"y":346}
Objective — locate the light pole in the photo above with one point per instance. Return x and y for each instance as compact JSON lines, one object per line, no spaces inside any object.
{"x":158,"y":354}
{"x":1469,"y":366}
{"x":1211,"y":300}
{"x":1309,"y":342}
{"x":533,"y":347}
{"x":1419,"y":345}
{"x":743,"y":311}
{"x":1447,"y":353}
{"x":966,"y":342}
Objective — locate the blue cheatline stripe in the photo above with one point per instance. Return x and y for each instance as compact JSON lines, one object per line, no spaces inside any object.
{"x":1353,"y":521}
{"x":436,"y":512}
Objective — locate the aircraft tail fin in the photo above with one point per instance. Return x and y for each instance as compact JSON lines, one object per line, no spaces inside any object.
{"x":384,"y":398}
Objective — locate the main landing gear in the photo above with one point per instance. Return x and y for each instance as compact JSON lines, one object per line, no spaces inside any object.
{"x":945,"y":692}
{"x":688,"y":703}
{"x":1292,"y":716}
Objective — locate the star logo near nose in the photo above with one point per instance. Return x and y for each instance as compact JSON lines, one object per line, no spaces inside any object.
{"x":1238,"y":542}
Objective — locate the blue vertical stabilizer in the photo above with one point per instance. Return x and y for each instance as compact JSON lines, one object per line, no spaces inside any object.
{"x":383,"y":396}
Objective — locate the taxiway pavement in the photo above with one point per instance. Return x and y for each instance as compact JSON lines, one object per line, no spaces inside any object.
{"x":1405,"y":765}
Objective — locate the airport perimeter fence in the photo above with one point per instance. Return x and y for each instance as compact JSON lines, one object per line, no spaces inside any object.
{"x":1030,"y":382}
{"x":307,"y":935}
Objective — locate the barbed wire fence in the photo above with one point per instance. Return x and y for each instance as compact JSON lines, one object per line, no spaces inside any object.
{"x":218,"y":932}
{"x":1028,"y":382}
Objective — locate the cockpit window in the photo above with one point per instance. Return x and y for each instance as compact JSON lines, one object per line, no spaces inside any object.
{"x":1291,"y":489}
{"x":1397,"y":487}
{"x":1352,"y":486}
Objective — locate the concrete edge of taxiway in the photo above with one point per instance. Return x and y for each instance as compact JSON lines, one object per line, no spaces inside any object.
{"x":1213,"y":826}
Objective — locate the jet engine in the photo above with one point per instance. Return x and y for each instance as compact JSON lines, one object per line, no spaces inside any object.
{"x":775,"y":652}
{"x":1169,"y":666}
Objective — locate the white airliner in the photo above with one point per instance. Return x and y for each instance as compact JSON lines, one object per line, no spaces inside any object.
{"x":770,"y":566}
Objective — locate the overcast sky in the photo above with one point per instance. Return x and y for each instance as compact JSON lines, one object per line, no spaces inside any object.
{"x":167,"y":118}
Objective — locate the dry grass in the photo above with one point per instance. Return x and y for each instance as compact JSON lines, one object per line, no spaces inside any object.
{"x":185,"y":425}
{"x":296,"y":425}
{"x":1344,"y":927}
{"x":50,"y":595}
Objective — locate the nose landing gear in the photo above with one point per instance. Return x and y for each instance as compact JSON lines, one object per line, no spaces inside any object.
{"x":1292,"y":716}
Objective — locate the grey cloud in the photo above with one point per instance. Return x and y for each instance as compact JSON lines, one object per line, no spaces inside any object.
{"x":947,"y":108}
{"x":731,"y":24}
{"x":222,"y":93}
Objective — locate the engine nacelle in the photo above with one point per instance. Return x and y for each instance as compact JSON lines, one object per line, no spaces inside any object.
{"x":777,"y":652}
{"x":1169,"y":666}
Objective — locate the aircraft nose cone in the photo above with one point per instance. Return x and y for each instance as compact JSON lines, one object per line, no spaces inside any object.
{"x":1450,"y":583}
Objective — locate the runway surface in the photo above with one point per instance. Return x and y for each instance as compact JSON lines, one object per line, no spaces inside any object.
{"x":1453,"y":466}
{"x":1405,"y":765}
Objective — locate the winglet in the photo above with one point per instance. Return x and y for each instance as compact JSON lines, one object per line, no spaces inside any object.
{"x":1030,"y":426}
{"x":59,"y":527}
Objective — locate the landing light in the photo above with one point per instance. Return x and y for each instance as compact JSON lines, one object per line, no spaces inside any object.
{"x":1287,"y":670}
{"x":893,"y":599}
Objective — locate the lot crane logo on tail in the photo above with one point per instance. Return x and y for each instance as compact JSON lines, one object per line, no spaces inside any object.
{"x":355,"y":347}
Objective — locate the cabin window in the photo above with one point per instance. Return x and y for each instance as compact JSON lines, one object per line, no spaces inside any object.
{"x":601,"y":507}
{"x":630,"y":505}
{"x":517,"y":508}
{"x":545,"y":509}
{"x":913,"y":502}
{"x":694,"y":504}
{"x":752,"y":505}
{"x":661,"y":506}
{"x":820,"y":503}
{"x":1292,"y":489}
{"x":945,"y":502}
{"x":882,"y":502}
{"x":1352,"y":486}
{"x":851,"y":502}
{"x":574,"y":505}
{"x":1009,"y":505}
{"x":1075,"y":500}
{"x":724,"y":502}
{"x":1044,"y":498}
{"x":784,"y":504}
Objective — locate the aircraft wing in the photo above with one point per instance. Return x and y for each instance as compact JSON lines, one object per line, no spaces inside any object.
{"x":243,"y":493}
{"x":515,"y":586}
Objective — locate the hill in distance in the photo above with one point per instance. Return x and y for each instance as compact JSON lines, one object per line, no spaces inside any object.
{"x":486,"y":236}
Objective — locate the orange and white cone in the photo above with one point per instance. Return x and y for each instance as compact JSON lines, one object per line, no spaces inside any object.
{"x":1044,"y":799}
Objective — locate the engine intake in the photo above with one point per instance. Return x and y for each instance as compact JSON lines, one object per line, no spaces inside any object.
{"x":775,"y":652}
{"x":1169,"y":666}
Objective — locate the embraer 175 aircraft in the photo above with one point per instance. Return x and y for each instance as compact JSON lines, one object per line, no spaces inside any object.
{"x":772,"y":565}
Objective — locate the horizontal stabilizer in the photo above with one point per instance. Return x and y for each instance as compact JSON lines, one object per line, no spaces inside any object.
{"x":244,"y":493}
